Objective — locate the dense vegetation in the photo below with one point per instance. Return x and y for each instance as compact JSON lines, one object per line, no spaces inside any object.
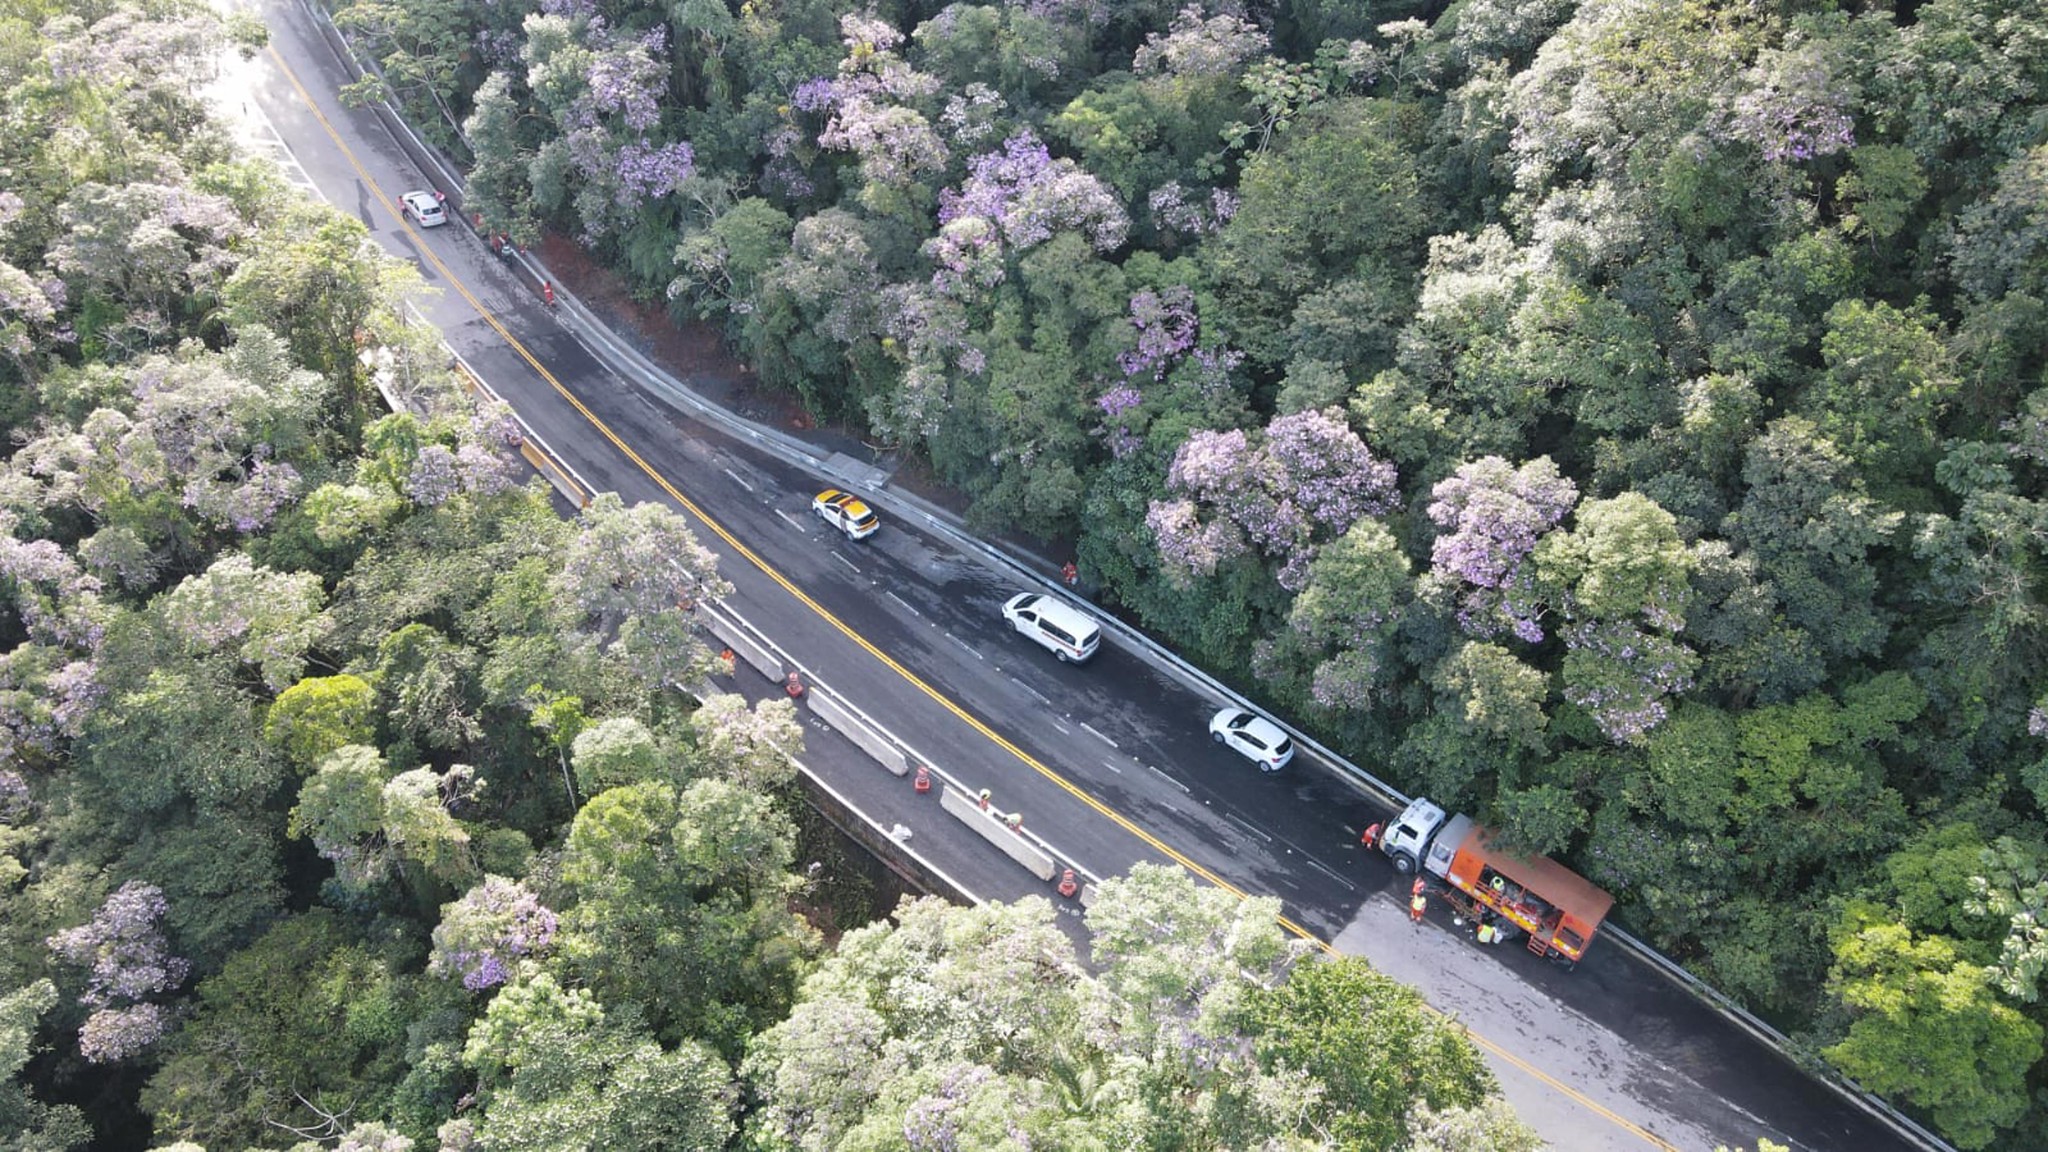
{"x":1622,"y":418}
{"x":349,"y":799}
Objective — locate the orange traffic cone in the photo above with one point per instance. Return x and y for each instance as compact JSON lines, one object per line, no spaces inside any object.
{"x":923,"y":783}
{"x":1068,"y":885}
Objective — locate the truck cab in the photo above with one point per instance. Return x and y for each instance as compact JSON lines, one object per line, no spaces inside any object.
{"x":1408,"y":838}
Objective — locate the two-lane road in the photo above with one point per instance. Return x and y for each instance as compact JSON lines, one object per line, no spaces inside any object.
{"x":1110,"y":761}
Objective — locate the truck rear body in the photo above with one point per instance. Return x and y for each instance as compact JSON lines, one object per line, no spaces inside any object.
{"x":1557,"y":907}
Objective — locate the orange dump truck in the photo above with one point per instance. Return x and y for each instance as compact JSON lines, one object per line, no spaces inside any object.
{"x":1559,"y":909}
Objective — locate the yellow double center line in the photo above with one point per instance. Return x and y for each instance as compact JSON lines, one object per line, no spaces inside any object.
{"x":908,"y":676}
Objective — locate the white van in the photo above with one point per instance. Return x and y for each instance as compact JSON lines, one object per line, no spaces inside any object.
{"x":1064,"y":631}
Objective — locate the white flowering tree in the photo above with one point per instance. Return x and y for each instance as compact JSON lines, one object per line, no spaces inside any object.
{"x":631,"y":578}
{"x":974,"y":1027}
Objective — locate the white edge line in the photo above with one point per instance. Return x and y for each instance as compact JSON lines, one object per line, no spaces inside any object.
{"x":1161,"y":773}
{"x":1100,"y":736}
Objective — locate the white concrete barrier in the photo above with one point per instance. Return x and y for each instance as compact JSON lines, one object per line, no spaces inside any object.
{"x":832,"y":712}
{"x":992,"y":828}
{"x":733,"y":637}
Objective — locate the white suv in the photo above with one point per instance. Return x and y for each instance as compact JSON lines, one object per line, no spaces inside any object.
{"x":1056,"y":626}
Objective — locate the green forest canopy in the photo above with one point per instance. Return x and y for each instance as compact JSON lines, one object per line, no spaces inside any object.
{"x":1622,"y":420}
{"x":347,"y":801}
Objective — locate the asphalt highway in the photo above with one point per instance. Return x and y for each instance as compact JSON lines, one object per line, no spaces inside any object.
{"x":1110,"y":762}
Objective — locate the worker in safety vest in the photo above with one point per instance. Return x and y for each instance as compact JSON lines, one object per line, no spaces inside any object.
{"x":1371,"y":839}
{"x":1417,"y":904}
{"x":1488,"y":934}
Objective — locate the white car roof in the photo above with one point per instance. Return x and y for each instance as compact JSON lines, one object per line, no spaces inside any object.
{"x":1257,"y":725}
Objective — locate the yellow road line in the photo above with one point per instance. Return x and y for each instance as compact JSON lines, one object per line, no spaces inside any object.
{"x":908,"y":676}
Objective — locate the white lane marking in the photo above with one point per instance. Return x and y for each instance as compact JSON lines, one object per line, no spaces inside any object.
{"x":1064,"y":730}
{"x":1042,"y":697}
{"x":1170,"y":780}
{"x":1100,"y":736}
{"x":736,"y":479}
{"x":1112,"y":767}
{"x":964,"y":644}
{"x":844,"y":560}
{"x":793,"y":522}
{"x":1247,"y":826}
{"x":1318,"y":866}
{"x":905,"y":603}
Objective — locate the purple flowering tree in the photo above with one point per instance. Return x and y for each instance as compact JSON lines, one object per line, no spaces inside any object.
{"x":1166,"y":326}
{"x":649,"y":171}
{"x":483,"y":936}
{"x":968,"y":257}
{"x":1187,"y":212}
{"x":874,"y":112}
{"x":45,"y":698}
{"x":127,"y":960}
{"x":1121,"y":416}
{"x":213,"y":431}
{"x":1490,"y":515}
{"x":58,"y":602}
{"x":1307,"y":482}
{"x":1796,"y":108}
{"x":605,"y":90}
{"x":972,"y":114}
{"x":1030,"y":195}
{"x":440,"y":473}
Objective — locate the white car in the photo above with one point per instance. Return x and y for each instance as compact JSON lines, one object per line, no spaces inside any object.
{"x":424,"y":209}
{"x":846,"y":512}
{"x":1254,"y":737}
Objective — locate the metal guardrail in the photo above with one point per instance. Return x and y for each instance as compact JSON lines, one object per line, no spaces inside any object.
{"x":630,"y":363}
